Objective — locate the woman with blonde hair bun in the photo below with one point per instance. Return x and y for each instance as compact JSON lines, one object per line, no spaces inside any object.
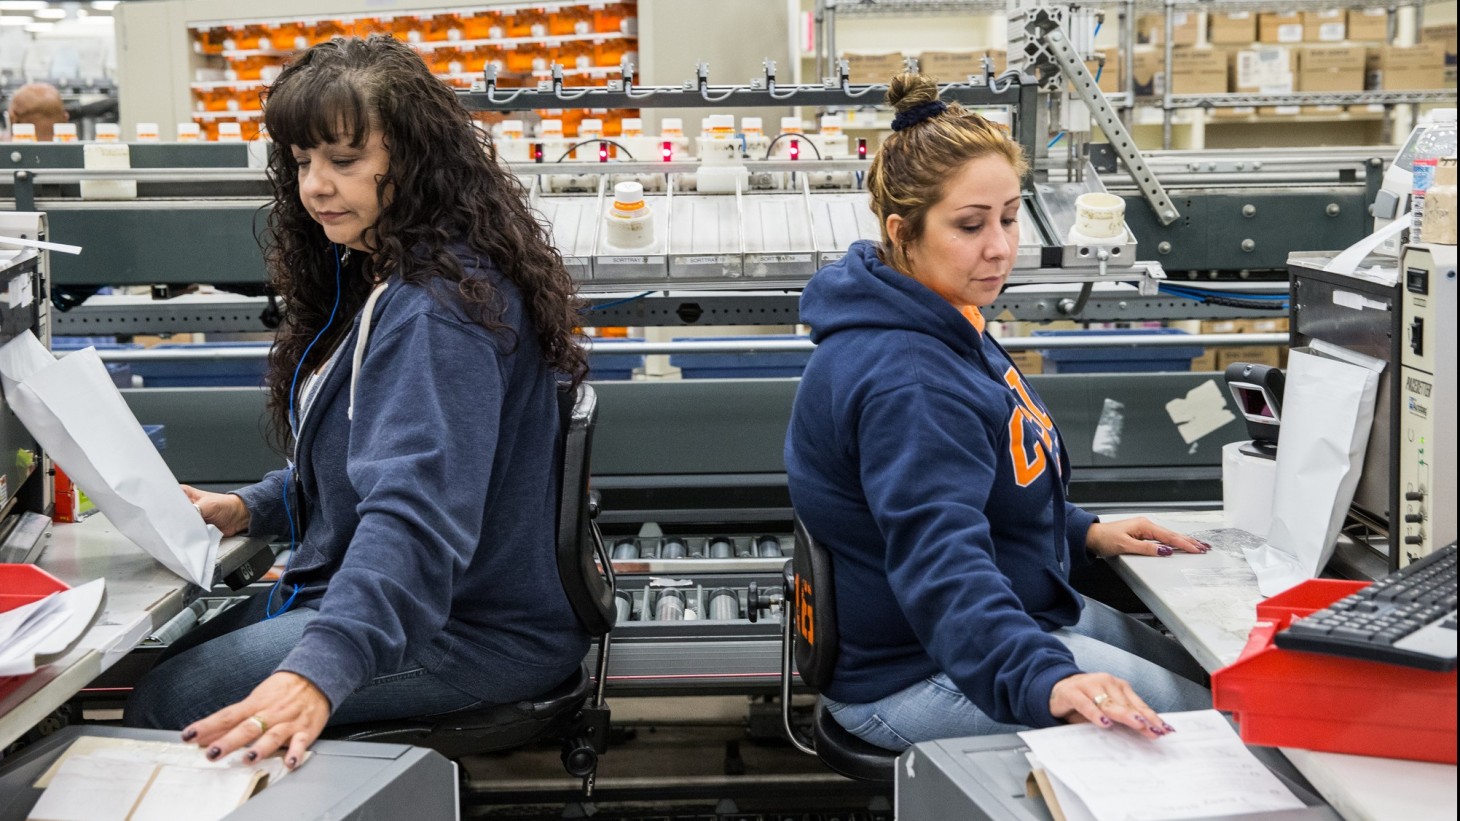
{"x":931,"y":471}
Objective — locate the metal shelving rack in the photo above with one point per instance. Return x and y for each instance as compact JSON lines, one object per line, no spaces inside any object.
{"x":1171,"y":102}
{"x":827,"y":11}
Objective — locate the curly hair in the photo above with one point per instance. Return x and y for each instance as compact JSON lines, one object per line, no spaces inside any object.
{"x":913,"y":165}
{"x":443,"y":185}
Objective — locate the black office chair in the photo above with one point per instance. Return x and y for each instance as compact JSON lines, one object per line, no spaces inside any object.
{"x":574,"y":711}
{"x":809,"y":636}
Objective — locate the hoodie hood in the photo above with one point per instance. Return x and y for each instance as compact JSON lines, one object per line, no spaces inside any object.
{"x":861,"y":291}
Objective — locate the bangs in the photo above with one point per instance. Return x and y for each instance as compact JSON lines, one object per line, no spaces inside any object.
{"x":311,"y":107}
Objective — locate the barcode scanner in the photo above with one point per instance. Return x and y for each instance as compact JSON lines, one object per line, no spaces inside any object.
{"x":1258,"y":390}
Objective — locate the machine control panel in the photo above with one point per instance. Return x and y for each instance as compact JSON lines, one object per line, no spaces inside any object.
{"x":1426,"y":412}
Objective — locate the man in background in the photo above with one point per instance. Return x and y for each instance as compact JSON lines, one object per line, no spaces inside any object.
{"x":39,"y":104}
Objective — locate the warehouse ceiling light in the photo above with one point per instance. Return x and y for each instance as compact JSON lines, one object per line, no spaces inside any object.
{"x":14,"y":21}
{"x":22,"y":5}
{"x":38,"y":28}
{"x":50,"y":14}
{"x":103,"y":5}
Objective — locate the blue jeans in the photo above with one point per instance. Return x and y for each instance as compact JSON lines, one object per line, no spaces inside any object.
{"x":1104,"y":640}
{"x":221,"y":662}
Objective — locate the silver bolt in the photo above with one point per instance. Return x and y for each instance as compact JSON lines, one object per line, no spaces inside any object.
{"x":1249,"y":210}
{"x":1164,"y":247}
{"x":15,"y":156}
{"x":1241,"y":166}
{"x":1169,"y":214}
{"x":1248,"y":245}
{"x":1257,"y":165}
{"x":1332,"y":209}
{"x":1121,"y":305}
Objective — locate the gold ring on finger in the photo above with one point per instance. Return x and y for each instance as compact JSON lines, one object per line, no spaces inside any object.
{"x":1100,"y":699}
{"x":262,"y":725}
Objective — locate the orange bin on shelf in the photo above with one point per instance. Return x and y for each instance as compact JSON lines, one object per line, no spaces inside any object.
{"x":1314,"y":701}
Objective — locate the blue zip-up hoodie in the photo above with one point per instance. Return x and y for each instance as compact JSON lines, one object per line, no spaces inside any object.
{"x":933,"y":474}
{"x":430,"y":517}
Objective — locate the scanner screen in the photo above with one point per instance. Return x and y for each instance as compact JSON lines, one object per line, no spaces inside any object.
{"x":1254,"y":404}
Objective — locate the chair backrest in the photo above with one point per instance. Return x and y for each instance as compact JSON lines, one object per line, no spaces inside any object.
{"x":813,"y":607}
{"x":589,"y":588}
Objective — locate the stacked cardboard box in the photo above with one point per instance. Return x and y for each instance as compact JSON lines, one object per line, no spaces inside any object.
{"x":1217,"y":359}
{"x":1368,"y":25}
{"x":1263,"y":69}
{"x":1233,"y":29}
{"x":1325,"y":26}
{"x":951,"y":66}
{"x":1406,"y":68}
{"x":873,"y":68}
{"x":1330,"y":68}
{"x":1280,"y":28}
{"x":1444,"y":35}
{"x":1151,"y":28}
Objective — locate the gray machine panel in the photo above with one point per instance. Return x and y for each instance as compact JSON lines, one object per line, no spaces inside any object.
{"x":342,"y":781}
{"x":982,"y":779}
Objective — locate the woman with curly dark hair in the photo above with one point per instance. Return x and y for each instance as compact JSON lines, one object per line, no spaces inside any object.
{"x":429,"y":325}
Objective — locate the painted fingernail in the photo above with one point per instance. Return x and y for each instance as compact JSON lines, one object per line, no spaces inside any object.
{"x":1168,"y":727}
{"x":1163,"y":550}
{"x":214,"y":752}
{"x":189,"y":734}
{"x":252,"y":756}
{"x":1105,"y":721}
{"x":291,"y":762}
{"x":1207,"y":545}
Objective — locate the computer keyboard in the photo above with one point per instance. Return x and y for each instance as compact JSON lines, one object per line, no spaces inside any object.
{"x":1407,"y":617}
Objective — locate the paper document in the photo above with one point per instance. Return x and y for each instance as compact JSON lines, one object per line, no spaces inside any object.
{"x":114,"y":779}
{"x":33,"y":634}
{"x":1200,"y":771}
{"x":75,"y":412}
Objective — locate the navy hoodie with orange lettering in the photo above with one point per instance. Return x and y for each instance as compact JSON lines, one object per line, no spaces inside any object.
{"x":925,"y":463}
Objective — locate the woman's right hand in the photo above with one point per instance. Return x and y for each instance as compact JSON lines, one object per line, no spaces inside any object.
{"x":225,"y":511}
{"x":1103,"y":699}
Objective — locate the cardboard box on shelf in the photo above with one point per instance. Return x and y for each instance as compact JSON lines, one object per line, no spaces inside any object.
{"x":1280,"y":28}
{"x":1151,"y":28}
{"x":1199,"y":71}
{"x":1406,"y":68}
{"x":1329,"y":26}
{"x":873,"y":68}
{"x":1368,"y":25}
{"x":951,"y":66}
{"x":1271,"y":355}
{"x":1261,"y":69}
{"x":1331,"y":68}
{"x":1238,"y":28}
{"x":1445,"y":36}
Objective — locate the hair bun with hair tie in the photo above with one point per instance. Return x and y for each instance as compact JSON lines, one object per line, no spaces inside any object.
{"x":916,"y":114}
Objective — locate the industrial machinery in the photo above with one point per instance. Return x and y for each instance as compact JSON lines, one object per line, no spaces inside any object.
{"x":727,"y":227}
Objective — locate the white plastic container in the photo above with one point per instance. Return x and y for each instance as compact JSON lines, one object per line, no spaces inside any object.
{"x":189,"y":132}
{"x":108,"y":133}
{"x":107,"y":156}
{"x":230,"y":133}
{"x":148,"y":133}
{"x":64,"y":133}
{"x":1099,"y":219}
{"x":632,"y":127}
{"x":629,"y":222}
{"x":22,"y":133}
{"x":831,"y":140}
{"x":591,"y":128}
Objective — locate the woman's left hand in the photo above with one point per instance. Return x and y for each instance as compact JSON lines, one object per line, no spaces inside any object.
{"x":1139,"y":536}
{"x":285,"y":710}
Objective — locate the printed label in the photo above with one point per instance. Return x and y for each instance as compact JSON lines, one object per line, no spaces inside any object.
{"x":721,"y":259}
{"x":779,"y":258}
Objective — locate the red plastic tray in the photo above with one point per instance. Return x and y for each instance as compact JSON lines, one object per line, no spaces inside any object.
{"x":21,"y":584}
{"x":1287,"y":698}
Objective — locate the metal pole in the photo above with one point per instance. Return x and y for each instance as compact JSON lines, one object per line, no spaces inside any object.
{"x":1128,"y":61}
{"x":1168,"y":79}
